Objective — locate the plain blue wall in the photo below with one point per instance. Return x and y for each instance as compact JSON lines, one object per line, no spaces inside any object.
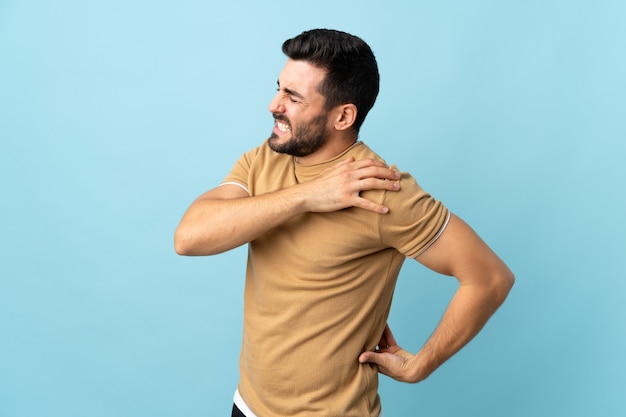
{"x":115,"y":115}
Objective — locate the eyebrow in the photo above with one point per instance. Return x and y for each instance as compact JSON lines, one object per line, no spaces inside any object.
{"x":290,"y":92}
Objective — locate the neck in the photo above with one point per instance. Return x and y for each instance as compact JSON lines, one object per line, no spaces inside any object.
{"x":332,"y":148}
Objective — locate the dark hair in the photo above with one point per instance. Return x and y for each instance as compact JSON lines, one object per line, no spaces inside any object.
{"x":351,"y":69}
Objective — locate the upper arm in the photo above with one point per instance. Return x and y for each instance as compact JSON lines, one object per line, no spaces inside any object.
{"x":196,"y":221}
{"x":461,"y":253}
{"x":196,"y":213}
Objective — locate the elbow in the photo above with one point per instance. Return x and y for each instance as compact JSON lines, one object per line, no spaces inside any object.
{"x":184,"y":243}
{"x":508,"y":279}
{"x":502,"y":284}
{"x":187,"y":243}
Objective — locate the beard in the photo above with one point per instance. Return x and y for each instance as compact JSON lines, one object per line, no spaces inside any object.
{"x":306,"y":138}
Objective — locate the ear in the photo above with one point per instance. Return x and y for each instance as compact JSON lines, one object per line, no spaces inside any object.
{"x":345,"y":116}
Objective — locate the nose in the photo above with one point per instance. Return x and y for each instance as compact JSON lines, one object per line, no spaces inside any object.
{"x":276,"y":105}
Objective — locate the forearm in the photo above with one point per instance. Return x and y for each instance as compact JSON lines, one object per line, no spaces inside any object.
{"x":468,"y":311}
{"x":214,"y":225}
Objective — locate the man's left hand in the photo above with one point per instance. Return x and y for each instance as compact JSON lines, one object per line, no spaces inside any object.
{"x":392,"y":360}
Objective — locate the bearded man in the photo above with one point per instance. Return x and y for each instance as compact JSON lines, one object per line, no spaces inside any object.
{"x":329,"y":224}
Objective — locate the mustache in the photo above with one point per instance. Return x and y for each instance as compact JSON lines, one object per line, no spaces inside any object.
{"x":282,"y":118}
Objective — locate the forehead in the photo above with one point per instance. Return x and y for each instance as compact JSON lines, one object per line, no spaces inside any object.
{"x":302,"y":77}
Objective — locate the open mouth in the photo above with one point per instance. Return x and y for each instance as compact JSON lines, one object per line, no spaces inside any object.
{"x":282,"y":126}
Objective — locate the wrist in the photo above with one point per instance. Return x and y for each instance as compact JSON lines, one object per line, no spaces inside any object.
{"x":420,"y":368}
{"x":296,"y":198}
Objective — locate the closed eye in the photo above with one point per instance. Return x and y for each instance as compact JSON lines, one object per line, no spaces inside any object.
{"x":294,"y":96}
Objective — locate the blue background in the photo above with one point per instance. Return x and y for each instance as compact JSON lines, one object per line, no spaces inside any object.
{"x":115,"y":115}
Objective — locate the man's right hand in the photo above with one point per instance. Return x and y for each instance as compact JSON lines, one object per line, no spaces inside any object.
{"x":339,"y":186}
{"x":226,"y":217}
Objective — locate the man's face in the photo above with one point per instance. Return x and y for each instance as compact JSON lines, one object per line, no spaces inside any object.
{"x":301,"y":122}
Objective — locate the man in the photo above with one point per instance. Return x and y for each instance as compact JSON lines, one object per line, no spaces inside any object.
{"x":329,"y":224}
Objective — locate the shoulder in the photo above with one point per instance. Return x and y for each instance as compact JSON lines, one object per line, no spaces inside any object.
{"x":262,"y":170}
{"x":361,"y":151}
{"x":257,"y":156}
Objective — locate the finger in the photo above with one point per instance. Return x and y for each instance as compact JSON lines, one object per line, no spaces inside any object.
{"x":370,"y":205}
{"x":344,"y":162}
{"x":387,"y":331}
{"x":388,"y":335}
{"x":368,"y":357}
{"x":383,"y":360}
{"x":383,"y":344}
{"x":374,"y":173}
{"x":367,"y":184}
{"x":339,"y":166}
{"x":368,"y":162}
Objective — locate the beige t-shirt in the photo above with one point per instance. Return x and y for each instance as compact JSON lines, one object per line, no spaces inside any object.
{"x":319,"y":288}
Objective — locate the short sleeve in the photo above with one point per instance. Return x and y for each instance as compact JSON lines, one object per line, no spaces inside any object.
{"x":415,"y":219}
{"x":240,"y":173}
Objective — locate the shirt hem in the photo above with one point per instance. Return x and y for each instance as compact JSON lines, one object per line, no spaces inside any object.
{"x":241,"y":405}
{"x":443,"y":227}
{"x":237,"y":184}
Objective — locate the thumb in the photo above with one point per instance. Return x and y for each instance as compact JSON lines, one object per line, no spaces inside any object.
{"x":370,"y":357}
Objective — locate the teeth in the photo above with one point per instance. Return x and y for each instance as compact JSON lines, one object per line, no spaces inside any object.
{"x":282,"y":126}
